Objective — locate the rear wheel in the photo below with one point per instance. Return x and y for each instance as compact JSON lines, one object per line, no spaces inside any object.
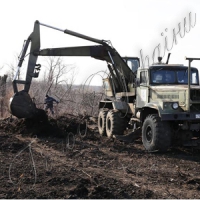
{"x":102,"y":121}
{"x":156,"y":135}
{"x":115,"y":124}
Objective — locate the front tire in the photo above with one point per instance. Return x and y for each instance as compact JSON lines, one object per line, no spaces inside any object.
{"x":156,"y":135}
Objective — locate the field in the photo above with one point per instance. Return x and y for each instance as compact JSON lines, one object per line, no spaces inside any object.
{"x":64,"y":158}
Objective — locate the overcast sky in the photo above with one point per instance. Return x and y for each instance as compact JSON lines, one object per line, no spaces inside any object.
{"x":131,"y":25}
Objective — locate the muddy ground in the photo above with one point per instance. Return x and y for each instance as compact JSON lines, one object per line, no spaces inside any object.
{"x":64,"y":159}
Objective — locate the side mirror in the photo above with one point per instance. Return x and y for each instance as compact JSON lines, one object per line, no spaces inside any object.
{"x":137,"y":82}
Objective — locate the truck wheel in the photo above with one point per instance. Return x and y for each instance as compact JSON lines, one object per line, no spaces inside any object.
{"x":156,"y":135}
{"x":115,"y":124}
{"x":102,"y":121}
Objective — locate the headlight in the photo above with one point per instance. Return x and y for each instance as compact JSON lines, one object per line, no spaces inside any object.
{"x":175,"y":105}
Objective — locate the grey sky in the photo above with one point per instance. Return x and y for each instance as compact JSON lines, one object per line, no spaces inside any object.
{"x":131,"y":25}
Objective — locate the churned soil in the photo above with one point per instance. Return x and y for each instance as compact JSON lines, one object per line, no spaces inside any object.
{"x":67,"y":158}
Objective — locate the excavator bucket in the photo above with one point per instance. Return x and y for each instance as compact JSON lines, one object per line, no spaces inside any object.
{"x":22,"y":106}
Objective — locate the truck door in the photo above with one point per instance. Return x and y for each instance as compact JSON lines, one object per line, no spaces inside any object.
{"x":142,"y":95}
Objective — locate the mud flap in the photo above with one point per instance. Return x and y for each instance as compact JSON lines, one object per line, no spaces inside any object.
{"x":192,"y":143}
{"x":130,"y":137}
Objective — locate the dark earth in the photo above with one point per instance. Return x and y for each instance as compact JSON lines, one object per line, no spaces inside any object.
{"x":65,"y":158}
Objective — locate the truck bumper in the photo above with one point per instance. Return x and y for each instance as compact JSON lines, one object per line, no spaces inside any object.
{"x":181,"y":117}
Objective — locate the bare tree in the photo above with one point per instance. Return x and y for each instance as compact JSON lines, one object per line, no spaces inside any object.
{"x":3,"y":94}
{"x":57,"y":71}
{"x":57,"y":81}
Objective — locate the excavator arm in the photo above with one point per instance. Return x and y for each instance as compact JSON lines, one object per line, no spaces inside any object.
{"x":117,"y":66}
{"x":21,"y":104}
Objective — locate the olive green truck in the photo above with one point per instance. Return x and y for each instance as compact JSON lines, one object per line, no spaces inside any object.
{"x":161,"y":101}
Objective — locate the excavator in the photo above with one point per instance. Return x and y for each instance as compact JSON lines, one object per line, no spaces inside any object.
{"x":161,"y":102}
{"x":21,"y":104}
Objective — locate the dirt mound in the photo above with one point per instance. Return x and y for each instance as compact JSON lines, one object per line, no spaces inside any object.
{"x":67,"y":158}
{"x":59,"y":126}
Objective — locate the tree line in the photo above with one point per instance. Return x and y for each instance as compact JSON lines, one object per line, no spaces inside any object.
{"x":56,"y":81}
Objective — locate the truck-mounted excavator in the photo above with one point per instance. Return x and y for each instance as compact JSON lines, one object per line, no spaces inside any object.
{"x":161,"y":100}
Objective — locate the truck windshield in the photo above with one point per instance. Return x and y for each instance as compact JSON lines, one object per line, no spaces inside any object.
{"x":163,"y":75}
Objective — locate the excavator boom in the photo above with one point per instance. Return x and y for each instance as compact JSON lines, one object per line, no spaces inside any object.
{"x":21,"y":104}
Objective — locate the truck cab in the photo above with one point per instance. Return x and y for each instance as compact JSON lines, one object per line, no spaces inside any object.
{"x":165,"y":88}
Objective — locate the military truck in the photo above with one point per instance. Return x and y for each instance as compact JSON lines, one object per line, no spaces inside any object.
{"x":162,"y":101}
{"x":165,"y":105}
